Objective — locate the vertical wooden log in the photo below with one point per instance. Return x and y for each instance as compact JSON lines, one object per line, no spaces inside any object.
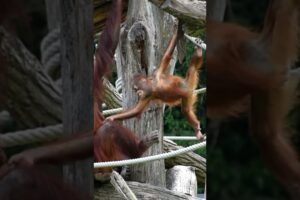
{"x":77,"y":73}
{"x":143,"y":41}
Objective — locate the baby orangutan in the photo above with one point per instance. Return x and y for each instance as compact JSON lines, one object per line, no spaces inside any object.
{"x":170,"y":89}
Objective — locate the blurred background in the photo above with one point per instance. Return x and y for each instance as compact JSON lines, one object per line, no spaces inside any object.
{"x":235,"y":169}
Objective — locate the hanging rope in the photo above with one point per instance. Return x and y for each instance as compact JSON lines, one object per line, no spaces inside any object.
{"x":50,"y":49}
{"x":149,"y":158}
{"x":119,"y":85}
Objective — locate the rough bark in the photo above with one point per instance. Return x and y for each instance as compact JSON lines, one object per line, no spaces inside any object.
{"x":142,"y":191}
{"x":77,"y":73}
{"x":27,"y":92}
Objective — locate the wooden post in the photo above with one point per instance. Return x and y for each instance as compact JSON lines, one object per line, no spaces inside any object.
{"x":77,"y":73}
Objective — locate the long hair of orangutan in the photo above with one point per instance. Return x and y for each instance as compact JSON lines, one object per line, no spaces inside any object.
{"x":104,"y":55}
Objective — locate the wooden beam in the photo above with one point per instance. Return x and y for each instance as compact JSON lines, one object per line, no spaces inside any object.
{"x":193,"y":11}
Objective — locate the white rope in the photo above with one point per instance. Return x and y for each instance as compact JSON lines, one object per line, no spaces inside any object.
{"x":196,"y":41}
{"x":149,"y":158}
{"x":180,"y":138}
{"x":119,"y":85}
{"x":112,"y":111}
{"x":200,"y":91}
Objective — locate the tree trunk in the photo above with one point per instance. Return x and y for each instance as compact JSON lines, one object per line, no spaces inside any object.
{"x":143,"y":42}
{"x":77,"y":74}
